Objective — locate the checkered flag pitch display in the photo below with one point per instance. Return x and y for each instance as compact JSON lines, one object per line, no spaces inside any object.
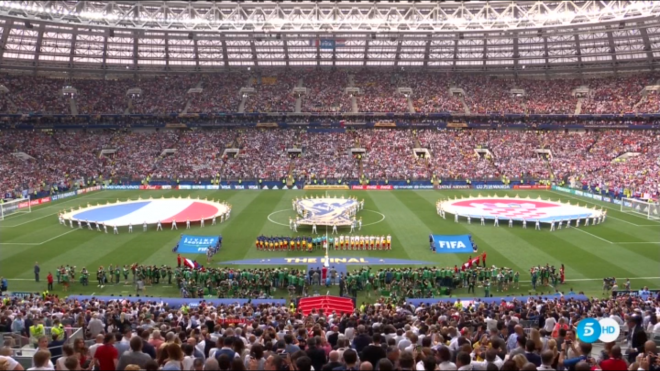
{"x":517,"y":209}
{"x":513,"y":210}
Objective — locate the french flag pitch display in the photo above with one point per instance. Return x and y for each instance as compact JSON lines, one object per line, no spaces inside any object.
{"x":152,"y":211}
{"x":458,"y":244}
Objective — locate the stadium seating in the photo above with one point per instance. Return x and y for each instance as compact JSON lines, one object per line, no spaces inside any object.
{"x":63,"y":158}
{"x":430,"y":93}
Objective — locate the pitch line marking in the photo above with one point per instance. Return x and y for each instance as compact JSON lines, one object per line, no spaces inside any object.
{"x":382,"y":219}
{"x":593,"y":235}
{"x":608,"y":207}
{"x":637,"y":243}
{"x":46,"y":216}
{"x":38,"y":243}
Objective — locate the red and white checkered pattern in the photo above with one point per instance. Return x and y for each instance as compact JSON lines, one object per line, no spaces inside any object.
{"x":506,"y":213}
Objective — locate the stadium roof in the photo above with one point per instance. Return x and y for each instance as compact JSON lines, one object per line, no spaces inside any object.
{"x":476,"y":36}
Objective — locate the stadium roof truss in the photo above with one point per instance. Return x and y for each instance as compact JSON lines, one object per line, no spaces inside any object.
{"x":202,"y":35}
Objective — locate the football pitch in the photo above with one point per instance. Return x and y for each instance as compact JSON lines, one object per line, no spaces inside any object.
{"x":625,"y":246}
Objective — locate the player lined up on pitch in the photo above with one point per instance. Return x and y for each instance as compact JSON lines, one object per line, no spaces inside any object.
{"x":309,"y":244}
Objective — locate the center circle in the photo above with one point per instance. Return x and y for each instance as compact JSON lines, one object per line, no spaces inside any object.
{"x":270,"y":219}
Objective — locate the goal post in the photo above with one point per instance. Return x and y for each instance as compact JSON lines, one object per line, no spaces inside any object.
{"x":19,"y":206}
{"x":651,"y":210}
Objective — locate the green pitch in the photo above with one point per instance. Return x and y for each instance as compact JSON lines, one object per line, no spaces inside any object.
{"x":625,"y":246}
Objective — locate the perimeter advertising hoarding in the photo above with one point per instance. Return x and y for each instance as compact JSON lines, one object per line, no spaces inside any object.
{"x":372,"y":187}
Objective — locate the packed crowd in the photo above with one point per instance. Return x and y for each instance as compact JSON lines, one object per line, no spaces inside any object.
{"x":162,"y":94}
{"x":326,"y":155}
{"x":32,"y":94}
{"x":539,"y":333}
{"x":220,"y":93}
{"x":431,"y":92}
{"x":326,"y":93}
{"x":389,"y":155}
{"x":274,"y":92}
{"x":61,"y":159}
{"x":263,"y":155}
{"x":379,"y":92}
{"x":616,"y":94}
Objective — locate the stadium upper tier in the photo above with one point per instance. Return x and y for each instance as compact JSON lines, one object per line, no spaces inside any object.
{"x":502,"y":36}
{"x":329,"y":91}
{"x":610,"y":159}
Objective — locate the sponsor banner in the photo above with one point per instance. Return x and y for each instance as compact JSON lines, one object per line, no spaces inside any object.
{"x":413,"y":186}
{"x":63,"y":195}
{"x":185,"y":186}
{"x":198,"y":186}
{"x":95,"y":188}
{"x":35,"y":202}
{"x":445,"y":244}
{"x":325,"y":187}
{"x":225,"y":187}
{"x":318,"y":261}
{"x":23,"y":205}
{"x":166,"y":187}
{"x":150,"y":187}
{"x":618,"y":202}
{"x":44,"y":200}
{"x":457,"y":125}
{"x":453,"y":186}
{"x":255,"y":187}
{"x":607,"y":199}
{"x":239,"y":187}
{"x":535,"y":186}
{"x":492,"y":186}
{"x":373,"y":187}
{"x":113,"y":187}
{"x":196,"y":244}
{"x":22,"y":294}
{"x":264,"y":187}
{"x":562,"y":189}
{"x":213,"y":187}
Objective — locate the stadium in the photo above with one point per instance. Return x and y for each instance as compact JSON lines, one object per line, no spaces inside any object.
{"x":329,"y":185}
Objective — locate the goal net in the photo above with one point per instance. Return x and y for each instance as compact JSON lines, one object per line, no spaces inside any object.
{"x":12,"y":207}
{"x":634,"y":206}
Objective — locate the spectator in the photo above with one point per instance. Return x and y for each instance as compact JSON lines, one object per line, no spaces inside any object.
{"x":41,"y":361}
{"x":134,"y":356}
{"x":106,"y":356}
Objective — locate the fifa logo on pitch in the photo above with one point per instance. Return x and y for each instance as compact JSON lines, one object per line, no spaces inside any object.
{"x":590,"y":330}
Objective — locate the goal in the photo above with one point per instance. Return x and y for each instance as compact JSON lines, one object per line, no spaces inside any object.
{"x":7,"y":208}
{"x":634,"y":206}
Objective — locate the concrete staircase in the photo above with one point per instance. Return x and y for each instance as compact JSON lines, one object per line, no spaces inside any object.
{"x":354,"y":105}
{"x":189,"y":101}
{"x":578,"y":106}
{"x":411,"y":106}
{"x":466,"y":109}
